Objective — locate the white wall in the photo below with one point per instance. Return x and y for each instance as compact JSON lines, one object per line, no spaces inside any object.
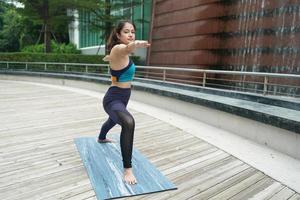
{"x":74,"y":28}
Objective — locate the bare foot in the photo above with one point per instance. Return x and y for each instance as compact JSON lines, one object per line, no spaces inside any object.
{"x":129,"y":177}
{"x":105,"y":140}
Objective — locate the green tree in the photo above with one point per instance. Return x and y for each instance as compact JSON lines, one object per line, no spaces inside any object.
{"x":52,"y":15}
{"x":49,"y":14}
{"x":11,"y":28}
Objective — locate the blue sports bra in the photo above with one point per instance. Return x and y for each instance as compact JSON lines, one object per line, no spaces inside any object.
{"x":124,"y":75}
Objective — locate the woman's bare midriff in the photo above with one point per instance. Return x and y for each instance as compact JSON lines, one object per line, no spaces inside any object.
{"x":122,"y":84}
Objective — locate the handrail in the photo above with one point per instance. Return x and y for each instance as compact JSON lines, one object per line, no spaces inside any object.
{"x":54,"y":63}
{"x":203,"y":80}
{"x":171,"y":69}
{"x":223,"y":72}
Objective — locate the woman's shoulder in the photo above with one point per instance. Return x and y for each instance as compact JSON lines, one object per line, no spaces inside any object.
{"x":114,"y":53}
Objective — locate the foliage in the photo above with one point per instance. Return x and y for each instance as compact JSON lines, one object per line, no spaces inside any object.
{"x":48,"y":17}
{"x":56,"y":48}
{"x":16,"y":31}
{"x":10,"y":29}
{"x":51,"y":57}
{"x":50,"y":14}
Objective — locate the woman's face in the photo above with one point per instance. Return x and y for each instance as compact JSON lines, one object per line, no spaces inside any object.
{"x":127,"y":34}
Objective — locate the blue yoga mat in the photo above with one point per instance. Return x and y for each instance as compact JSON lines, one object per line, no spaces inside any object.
{"x":103,"y":163}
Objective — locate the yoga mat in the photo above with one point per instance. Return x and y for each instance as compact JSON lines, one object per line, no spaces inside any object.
{"x":104,"y":166}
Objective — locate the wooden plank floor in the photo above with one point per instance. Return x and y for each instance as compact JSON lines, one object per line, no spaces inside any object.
{"x":39,"y":160}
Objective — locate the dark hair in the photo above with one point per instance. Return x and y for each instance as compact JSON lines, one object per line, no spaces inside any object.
{"x":113,"y":39}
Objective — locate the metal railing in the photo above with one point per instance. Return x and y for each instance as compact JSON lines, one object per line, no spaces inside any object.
{"x":255,"y":82}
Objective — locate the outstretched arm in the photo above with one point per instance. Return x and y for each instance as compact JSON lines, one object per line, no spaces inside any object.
{"x":137,"y":44}
{"x":130,"y":48}
{"x":123,"y":49}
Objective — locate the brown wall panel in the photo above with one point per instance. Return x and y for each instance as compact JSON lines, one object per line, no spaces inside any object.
{"x":289,"y":81}
{"x":189,"y":66}
{"x":249,"y":6}
{"x":185,"y":57}
{"x":190,"y":14}
{"x":265,"y":23}
{"x":188,"y":43}
{"x":187,"y":29}
{"x":262,"y":60}
{"x":260,"y":80}
{"x":268,"y":41}
{"x":173,"y":5}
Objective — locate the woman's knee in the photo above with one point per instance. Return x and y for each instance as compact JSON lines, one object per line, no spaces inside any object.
{"x":126,"y":120}
{"x":130,"y":121}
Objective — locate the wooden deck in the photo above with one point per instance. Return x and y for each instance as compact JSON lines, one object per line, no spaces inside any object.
{"x":39,"y":160}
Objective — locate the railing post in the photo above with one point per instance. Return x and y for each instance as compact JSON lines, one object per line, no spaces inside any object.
{"x":86,"y":69}
{"x":26,"y":66}
{"x":45,"y":68}
{"x":204,"y":79}
{"x":164,"y":75}
{"x":243,"y":83}
{"x":7,"y":65}
{"x":65,"y":68}
{"x":265,"y":85}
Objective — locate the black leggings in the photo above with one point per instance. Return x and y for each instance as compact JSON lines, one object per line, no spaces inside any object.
{"x":115,"y":102}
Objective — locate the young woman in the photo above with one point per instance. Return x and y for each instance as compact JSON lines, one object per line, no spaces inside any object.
{"x":121,"y":43}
